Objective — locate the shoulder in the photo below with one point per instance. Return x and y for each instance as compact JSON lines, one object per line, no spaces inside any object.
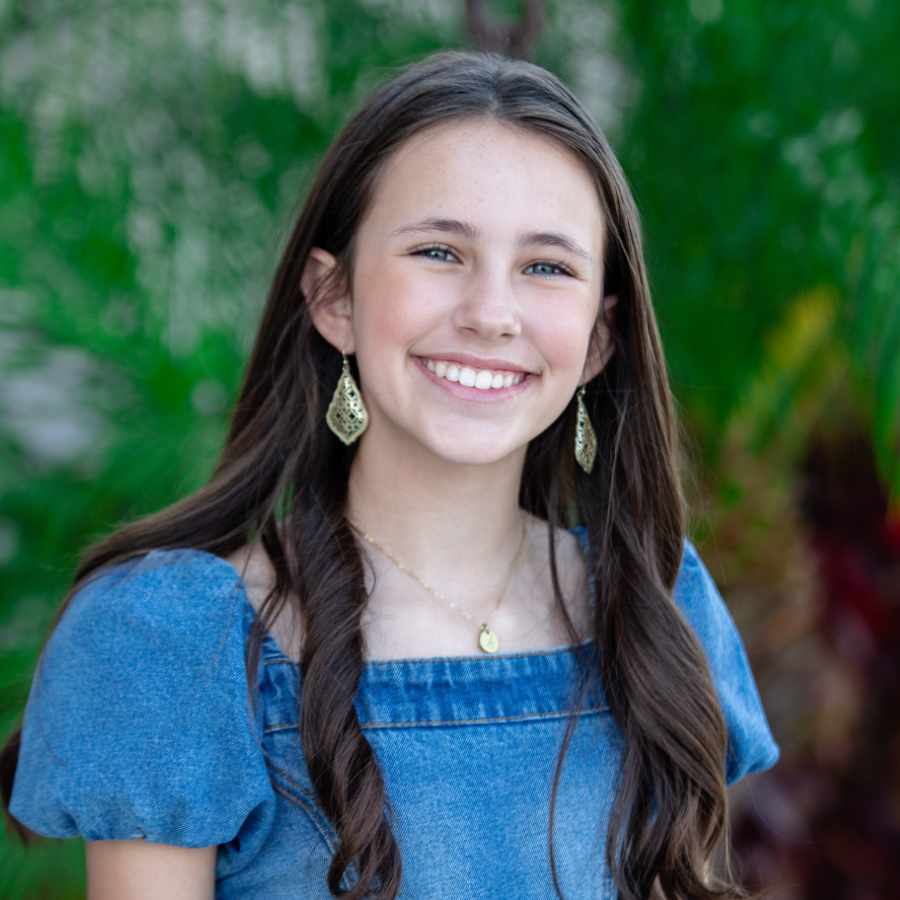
{"x":138,"y":722}
{"x":693,"y":582}
{"x":252,"y":566}
{"x":172,"y":588}
{"x":751,"y":744}
{"x":698,"y":597}
{"x":154,"y":627}
{"x":166,"y":604}
{"x":163,"y":624}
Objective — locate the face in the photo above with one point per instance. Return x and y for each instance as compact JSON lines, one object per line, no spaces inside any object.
{"x":478,"y":264}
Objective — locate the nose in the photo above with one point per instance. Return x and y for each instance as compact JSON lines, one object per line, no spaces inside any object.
{"x":488,"y":308}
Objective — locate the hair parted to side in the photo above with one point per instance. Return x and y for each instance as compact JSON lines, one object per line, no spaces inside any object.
{"x":282,"y":478}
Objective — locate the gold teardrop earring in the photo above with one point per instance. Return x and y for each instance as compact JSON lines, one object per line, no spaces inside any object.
{"x":585,"y":437}
{"x":347,"y":416}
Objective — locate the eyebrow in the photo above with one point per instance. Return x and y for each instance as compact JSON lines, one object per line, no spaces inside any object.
{"x":467,"y":229}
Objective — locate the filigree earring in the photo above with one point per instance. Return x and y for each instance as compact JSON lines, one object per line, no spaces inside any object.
{"x":347,"y":416}
{"x":585,"y":438}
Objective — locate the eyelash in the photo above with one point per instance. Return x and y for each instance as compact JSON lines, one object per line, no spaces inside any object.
{"x":565,"y":271}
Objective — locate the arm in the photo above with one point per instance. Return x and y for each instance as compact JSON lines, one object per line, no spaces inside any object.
{"x":140,"y":870}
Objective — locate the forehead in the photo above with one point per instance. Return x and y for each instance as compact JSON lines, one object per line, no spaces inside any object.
{"x":501,"y":176}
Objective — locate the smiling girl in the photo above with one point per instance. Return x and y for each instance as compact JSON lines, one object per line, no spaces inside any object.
{"x":434,"y":628}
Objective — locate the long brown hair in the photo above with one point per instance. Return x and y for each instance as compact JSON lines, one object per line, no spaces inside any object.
{"x":282,"y":478}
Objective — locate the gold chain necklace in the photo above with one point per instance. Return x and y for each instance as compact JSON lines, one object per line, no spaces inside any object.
{"x":487,"y":638}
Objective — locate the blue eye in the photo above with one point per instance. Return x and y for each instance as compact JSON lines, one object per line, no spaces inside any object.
{"x":562,"y":269}
{"x":424,"y":251}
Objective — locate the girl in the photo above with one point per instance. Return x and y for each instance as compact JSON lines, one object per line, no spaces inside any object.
{"x":433,"y":629}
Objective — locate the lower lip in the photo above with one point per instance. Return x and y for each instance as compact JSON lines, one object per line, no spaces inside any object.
{"x":492,"y":395}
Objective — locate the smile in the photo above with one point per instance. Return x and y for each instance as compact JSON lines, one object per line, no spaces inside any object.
{"x":474,"y":384}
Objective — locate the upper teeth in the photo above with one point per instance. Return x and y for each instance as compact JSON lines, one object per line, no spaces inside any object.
{"x":484,"y":379}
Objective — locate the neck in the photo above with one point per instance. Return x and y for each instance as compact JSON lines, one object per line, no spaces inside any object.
{"x":455,"y":525}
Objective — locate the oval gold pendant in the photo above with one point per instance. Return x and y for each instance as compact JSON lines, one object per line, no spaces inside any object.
{"x":487,"y":640}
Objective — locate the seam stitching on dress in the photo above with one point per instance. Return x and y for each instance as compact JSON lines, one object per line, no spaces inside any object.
{"x":490,"y":720}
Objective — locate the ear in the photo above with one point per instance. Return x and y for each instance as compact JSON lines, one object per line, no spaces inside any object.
{"x":600,"y":351}
{"x":332,"y":314}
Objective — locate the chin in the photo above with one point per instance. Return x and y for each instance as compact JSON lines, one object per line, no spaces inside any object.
{"x":473,"y":455}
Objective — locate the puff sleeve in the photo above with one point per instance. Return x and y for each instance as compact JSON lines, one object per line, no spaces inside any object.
{"x":138,"y":721}
{"x":751,"y":746}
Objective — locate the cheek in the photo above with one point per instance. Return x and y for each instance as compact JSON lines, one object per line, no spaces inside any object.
{"x":394,"y":307}
{"x":564,"y":339}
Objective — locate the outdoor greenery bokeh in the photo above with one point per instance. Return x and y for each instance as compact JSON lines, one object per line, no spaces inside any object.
{"x":152,"y":157}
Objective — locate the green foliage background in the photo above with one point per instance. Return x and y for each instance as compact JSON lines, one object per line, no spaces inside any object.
{"x":153,"y":155}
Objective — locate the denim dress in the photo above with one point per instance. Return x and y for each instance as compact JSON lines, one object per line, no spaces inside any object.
{"x":138,"y":725}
